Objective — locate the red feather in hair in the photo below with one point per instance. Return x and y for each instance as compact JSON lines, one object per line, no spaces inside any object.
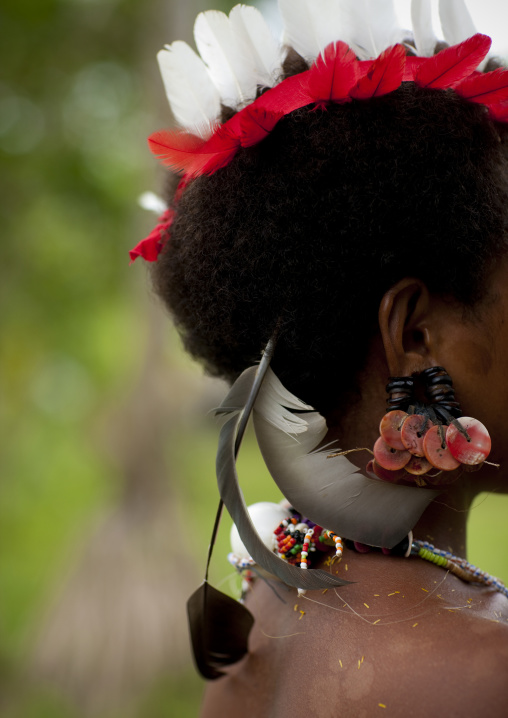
{"x":384,"y":76}
{"x":499,"y":113}
{"x":490,"y":88}
{"x":451,"y":66}
{"x":150,"y":247}
{"x":256,"y":123}
{"x":289,"y":95}
{"x":183,"y":152}
{"x":333,"y":75}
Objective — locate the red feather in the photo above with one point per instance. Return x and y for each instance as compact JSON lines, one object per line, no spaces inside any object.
{"x":150,"y":247}
{"x":499,"y":112}
{"x":384,"y":76}
{"x":412,"y":66}
{"x":450,"y":66}
{"x":256,"y":124}
{"x":289,"y":95}
{"x":334,"y":74}
{"x":176,"y":148}
{"x":187,"y":153}
{"x":218,"y":151}
{"x":487,"y":88}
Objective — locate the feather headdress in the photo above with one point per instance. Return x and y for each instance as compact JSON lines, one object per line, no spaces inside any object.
{"x":356,"y":51}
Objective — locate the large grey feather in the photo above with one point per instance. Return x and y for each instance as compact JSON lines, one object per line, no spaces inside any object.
{"x":332,"y":492}
{"x":243,"y":392}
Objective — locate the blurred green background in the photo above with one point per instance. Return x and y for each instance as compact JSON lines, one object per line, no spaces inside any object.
{"x":107,"y":489}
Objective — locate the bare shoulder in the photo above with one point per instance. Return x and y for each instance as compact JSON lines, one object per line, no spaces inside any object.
{"x":404,"y":640}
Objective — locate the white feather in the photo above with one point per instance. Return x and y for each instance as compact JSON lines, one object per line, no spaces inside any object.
{"x":226,"y":61}
{"x":255,"y":37}
{"x":152,"y":202}
{"x":299,"y":28}
{"x":311,"y":25}
{"x":421,"y":18}
{"x":457,"y":24}
{"x":456,"y":21}
{"x":370,"y":26}
{"x":194,"y":99}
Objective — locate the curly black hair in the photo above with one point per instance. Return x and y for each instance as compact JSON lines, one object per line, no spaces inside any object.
{"x":307,"y":230}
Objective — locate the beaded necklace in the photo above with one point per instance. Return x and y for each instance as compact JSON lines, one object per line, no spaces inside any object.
{"x":456,"y":565}
{"x":296,"y":539}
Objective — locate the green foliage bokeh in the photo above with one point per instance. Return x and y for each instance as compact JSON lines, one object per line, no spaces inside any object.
{"x":79,"y":93}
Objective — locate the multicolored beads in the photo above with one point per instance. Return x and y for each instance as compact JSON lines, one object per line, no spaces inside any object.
{"x":297,"y":538}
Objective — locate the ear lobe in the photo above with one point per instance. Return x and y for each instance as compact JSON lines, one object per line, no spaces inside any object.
{"x":404,"y":325}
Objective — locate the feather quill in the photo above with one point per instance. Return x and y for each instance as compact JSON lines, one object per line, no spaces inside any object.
{"x":331,"y":492}
{"x":194,"y":99}
{"x":255,"y":37}
{"x":423,"y":32}
{"x":226,"y":61}
{"x":454,"y":64}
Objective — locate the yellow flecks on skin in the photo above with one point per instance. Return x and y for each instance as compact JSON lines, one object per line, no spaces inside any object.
{"x":346,"y":566}
{"x":377,"y":595}
{"x":363,"y":658}
{"x":396,"y":591}
{"x":296,"y":607}
{"x":359,"y":664}
{"x":344,"y":606}
{"x":376,"y":621}
{"x":439,"y":595}
{"x":424,"y":589}
{"x":450,"y":610}
{"x":381,"y":705}
{"x":366,"y":605}
{"x":302,"y":614}
{"x":393,"y":594}
{"x":325,"y":590}
{"x":415,"y":625}
{"x":328,"y":561}
{"x":340,"y":663}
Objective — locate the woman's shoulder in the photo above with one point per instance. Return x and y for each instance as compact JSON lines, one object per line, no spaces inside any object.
{"x":405,"y":638}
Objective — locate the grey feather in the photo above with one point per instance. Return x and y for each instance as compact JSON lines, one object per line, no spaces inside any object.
{"x":332,"y":492}
{"x":244,"y":391}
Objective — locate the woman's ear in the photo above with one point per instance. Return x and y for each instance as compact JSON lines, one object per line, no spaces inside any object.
{"x":406,"y":327}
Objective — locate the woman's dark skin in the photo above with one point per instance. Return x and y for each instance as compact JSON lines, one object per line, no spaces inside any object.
{"x":407,"y":638}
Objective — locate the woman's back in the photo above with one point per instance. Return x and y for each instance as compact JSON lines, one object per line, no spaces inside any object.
{"x":407,"y":639}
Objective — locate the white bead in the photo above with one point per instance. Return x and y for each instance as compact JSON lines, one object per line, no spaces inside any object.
{"x":265,"y":516}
